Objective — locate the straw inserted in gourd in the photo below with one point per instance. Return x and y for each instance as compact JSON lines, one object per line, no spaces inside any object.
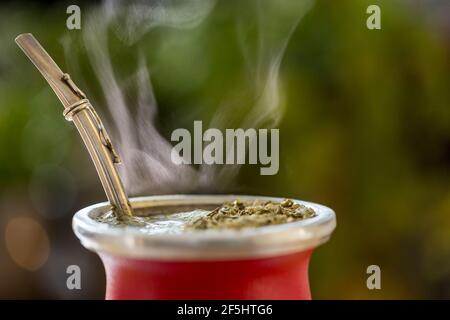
{"x":78,"y":109}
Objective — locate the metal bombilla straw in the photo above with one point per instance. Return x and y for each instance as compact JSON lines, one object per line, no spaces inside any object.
{"x":78,"y":109}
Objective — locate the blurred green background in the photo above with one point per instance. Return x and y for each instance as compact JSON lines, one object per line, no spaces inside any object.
{"x":365,"y":130}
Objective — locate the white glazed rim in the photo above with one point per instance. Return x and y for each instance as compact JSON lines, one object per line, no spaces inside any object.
{"x":202,"y":245}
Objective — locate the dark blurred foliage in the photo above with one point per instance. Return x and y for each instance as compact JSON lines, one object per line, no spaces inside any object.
{"x":366,"y":131}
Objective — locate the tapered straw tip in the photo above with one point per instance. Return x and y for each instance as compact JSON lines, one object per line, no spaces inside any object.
{"x":22,"y":36}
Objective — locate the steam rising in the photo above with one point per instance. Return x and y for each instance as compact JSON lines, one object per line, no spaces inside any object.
{"x":144,"y":151}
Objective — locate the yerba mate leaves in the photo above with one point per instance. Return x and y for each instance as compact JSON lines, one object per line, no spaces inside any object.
{"x":238,"y":215}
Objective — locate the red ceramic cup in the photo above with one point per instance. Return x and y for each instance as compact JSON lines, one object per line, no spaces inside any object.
{"x":255,"y":263}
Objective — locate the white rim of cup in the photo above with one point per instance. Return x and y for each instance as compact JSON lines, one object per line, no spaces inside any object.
{"x":225,"y":244}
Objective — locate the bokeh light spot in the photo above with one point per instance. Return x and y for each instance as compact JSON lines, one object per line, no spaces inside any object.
{"x":27,"y":243}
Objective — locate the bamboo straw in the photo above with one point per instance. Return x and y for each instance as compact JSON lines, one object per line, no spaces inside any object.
{"x":78,"y":109}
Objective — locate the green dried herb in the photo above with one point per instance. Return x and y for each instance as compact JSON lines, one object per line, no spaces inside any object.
{"x":238,"y":215}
